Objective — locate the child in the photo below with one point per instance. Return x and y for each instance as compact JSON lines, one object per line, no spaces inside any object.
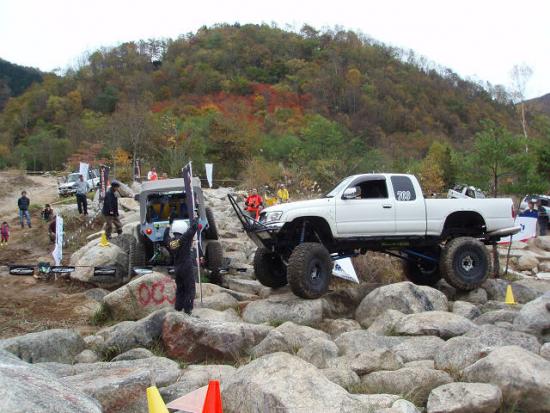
{"x":5,"y":232}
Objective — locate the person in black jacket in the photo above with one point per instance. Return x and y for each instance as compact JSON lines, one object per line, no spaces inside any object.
{"x":110,"y":210}
{"x":23,"y":204}
{"x":179,"y":242}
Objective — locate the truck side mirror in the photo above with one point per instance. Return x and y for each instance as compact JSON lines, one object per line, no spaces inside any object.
{"x":350,"y":193}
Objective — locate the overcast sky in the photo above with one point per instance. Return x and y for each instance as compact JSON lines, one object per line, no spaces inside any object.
{"x":476,"y":38}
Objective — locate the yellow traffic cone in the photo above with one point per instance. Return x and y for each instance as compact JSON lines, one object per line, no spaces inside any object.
{"x":154,"y":401}
{"x":509,"y":299}
{"x":104,"y":242}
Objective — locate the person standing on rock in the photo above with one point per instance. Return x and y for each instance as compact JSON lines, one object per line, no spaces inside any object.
{"x":23,"y":203}
{"x":81,"y":192}
{"x":542,"y":218}
{"x":178,"y":238}
{"x":110,"y":210}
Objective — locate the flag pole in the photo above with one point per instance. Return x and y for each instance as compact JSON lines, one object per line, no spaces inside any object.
{"x":195,"y":238}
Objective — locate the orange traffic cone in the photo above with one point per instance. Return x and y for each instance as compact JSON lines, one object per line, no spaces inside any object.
{"x":213,"y":400}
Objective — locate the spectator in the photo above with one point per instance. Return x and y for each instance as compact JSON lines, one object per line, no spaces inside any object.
{"x":164,"y":176}
{"x":282,"y":193}
{"x":52,"y":229}
{"x":47,"y":213}
{"x":542,"y":218}
{"x":5,"y":232}
{"x":81,"y":192}
{"x":110,"y":210}
{"x":152,"y":175}
{"x":23,"y":203}
{"x":254,"y":204}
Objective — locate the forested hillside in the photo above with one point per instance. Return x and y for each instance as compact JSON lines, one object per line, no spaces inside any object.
{"x":14,"y":79}
{"x":263,"y":104}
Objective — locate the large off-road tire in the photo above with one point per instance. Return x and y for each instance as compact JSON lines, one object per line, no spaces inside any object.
{"x":465,"y":263}
{"x":137,"y":257}
{"x":269,"y":268}
{"x":309,"y":270}
{"x":214,"y":261}
{"x":424,"y":272}
{"x":212,"y":230}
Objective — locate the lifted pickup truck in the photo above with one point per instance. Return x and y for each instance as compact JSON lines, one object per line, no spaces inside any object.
{"x":298,"y":241}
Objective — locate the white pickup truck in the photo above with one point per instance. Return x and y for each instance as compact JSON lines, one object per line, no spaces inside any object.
{"x":298,"y":241}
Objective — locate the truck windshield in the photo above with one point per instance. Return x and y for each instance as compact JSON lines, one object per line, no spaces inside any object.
{"x":73,"y":178}
{"x":340,"y":187}
{"x":161,"y":206}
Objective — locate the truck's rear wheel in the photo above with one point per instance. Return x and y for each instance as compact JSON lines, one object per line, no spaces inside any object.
{"x":465,"y":263}
{"x":212,"y":230}
{"x":423,"y":272}
{"x":214,"y":261}
{"x":309,"y":270}
{"x":269,"y":268}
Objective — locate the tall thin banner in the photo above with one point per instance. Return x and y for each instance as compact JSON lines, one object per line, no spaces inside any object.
{"x":209,"y":173}
{"x":103,"y":180}
{"x":137,"y":169}
{"x":83,"y":170}
{"x":58,"y":250}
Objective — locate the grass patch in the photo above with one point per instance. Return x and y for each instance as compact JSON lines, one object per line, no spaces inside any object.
{"x":157,"y":348}
{"x":102,"y":316}
{"x":110,"y":353}
{"x":378,"y":268}
{"x":276,"y":323}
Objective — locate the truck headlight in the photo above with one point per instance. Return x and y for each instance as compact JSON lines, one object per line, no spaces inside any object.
{"x":273,"y":216}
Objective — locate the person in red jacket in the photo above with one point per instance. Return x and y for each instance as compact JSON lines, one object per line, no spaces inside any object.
{"x":254,"y":204}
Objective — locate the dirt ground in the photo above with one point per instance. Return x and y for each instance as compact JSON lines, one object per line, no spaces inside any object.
{"x":27,"y":304}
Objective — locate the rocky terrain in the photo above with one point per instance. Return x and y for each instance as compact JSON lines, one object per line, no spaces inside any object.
{"x":361,"y":348}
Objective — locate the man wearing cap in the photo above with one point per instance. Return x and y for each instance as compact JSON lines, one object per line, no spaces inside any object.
{"x":110,"y":210}
{"x":178,"y":238}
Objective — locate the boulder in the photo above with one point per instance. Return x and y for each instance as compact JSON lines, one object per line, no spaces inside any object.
{"x":496,"y":316}
{"x":93,"y":255}
{"x":221,"y":301}
{"x":318,"y":352}
{"x":378,"y":401}
{"x":402,"y":406}
{"x":465,"y":398}
{"x":359,"y":341}
{"x":247,"y":286}
{"x":128,"y":204}
{"x":523,"y":377}
{"x":125,"y":192}
{"x":58,"y":345}
{"x":458,"y":353}
{"x":543,"y":242}
{"x":438,"y":323}
{"x":87,"y":356}
{"x":418,"y":348}
{"x":29,"y":389}
{"x":96,"y":294}
{"x":477,"y":296}
{"x":384,"y":324}
{"x":405,"y":297}
{"x":416,"y":382}
{"x":545,"y":351}
{"x":493,"y":336}
{"x":534,"y":317}
{"x":134,"y":354}
{"x":284,"y":307}
{"x":523,"y":292}
{"x":195,"y":376}
{"x":527,"y":262}
{"x":229,"y":315}
{"x":499,"y":305}
{"x":288,"y":337}
{"x":132,"y":334}
{"x":287,"y":384}
{"x":193,"y":340}
{"x":425,"y":364}
{"x":338,"y":326}
{"x":466,"y":309}
{"x":367,"y":362}
{"x":346,"y":378}
{"x":342,"y":301}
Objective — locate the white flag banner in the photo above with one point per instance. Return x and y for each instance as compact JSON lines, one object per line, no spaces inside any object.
{"x":58,"y":250}
{"x":343,"y":268}
{"x":209,"y":173}
{"x":528,"y":230}
{"x":84,"y":170}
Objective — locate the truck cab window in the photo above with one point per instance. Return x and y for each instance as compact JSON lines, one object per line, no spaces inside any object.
{"x":373,"y":189}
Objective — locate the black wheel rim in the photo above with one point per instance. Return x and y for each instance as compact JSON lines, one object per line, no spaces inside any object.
{"x":316,"y":272}
{"x":469,"y":265}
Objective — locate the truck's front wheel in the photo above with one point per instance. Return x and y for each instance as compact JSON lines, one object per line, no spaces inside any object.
{"x":465,"y":263}
{"x":269,"y":268}
{"x":309,"y":270}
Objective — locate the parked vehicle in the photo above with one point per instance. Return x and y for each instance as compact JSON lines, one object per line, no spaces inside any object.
{"x":69,"y":186}
{"x":298,"y":241}
{"x":544,"y":200}
{"x":465,"y":191}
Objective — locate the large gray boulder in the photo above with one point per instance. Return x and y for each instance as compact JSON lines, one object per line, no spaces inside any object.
{"x":418,"y":348}
{"x":458,"y":353}
{"x":433,"y":323}
{"x":477,"y":296}
{"x":336,"y":327}
{"x":496,"y":316}
{"x":405,"y":297}
{"x":523,"y":377}
{"x":59,"y":345}
{"x":345,"y":378}
{"x":284,"y":307}
{"x":193,"y":340}
{"x":367,"y":362}
{"x":466,"y":309}
{"x":523,"y":292}
{"x":288,"y":338}
{"x":318,"y":352}
{"x":534,"y":318}
{"x":465,"y":398}
{"x":287,"y":384}
{"x":414,"y":382}
{"x":93,"y":255}
{"x":220,"y":302}
{"x":229,"y":315}
{"x":134,"y":354}
{"x":27,"y":388}
{"x":385,"y":323}
{"x":493,"y":336}
{"x":359,"y":341}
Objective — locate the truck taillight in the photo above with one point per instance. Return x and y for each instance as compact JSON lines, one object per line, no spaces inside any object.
{"x":148,"y":231}
{"x":513,"y":212}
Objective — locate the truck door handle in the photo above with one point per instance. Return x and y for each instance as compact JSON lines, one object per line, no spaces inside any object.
{"x":386,"y":206}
